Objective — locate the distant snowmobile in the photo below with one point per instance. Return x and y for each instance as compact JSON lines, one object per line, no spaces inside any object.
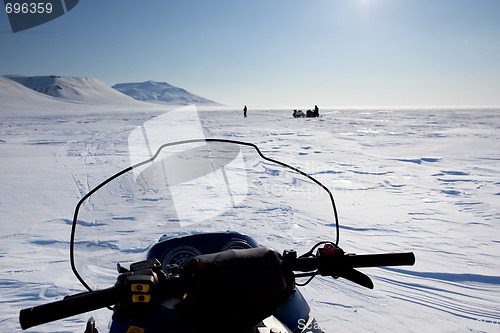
{"x":298,"y":114}
{"x":201,"y":277}
{"x":308,"y":114}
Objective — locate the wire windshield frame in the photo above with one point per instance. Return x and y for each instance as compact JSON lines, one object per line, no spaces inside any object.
{"x":248,"y":144}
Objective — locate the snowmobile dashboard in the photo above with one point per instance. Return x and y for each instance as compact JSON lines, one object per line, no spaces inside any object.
{"x":177,"y":250}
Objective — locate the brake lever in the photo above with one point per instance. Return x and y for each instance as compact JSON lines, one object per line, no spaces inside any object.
{"x":332,"y":262}
{"x":357,"y":277}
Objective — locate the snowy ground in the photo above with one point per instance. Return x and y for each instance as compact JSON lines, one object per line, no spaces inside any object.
{"x":426,"y":181}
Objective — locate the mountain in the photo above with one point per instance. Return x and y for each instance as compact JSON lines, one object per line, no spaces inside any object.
{"x":14,"y":95}
{"x":161,"y":92}
{"x":74,"y":89}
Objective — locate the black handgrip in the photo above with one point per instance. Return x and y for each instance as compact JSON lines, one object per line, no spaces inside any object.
{"x":384,"y":259}
{"x":68,"y":307}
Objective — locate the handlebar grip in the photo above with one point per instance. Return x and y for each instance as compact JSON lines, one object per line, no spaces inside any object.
{"x":68,"y":307}
{"x":384,"y":259}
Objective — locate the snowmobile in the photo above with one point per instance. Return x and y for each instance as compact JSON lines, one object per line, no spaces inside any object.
{"x":219,"y":208}
{"x":298,"y":114}
{"x":309,"y":113}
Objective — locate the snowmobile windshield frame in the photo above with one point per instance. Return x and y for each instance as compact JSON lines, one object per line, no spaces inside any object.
{"x":153,"y":158}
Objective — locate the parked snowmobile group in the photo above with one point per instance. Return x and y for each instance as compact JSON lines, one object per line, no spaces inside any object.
{"x":309,"y":113}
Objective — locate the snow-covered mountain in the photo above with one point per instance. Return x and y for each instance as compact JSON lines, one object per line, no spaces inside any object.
{"x":13,"y":93}
{"x":161,"y":92}
{"x":89,"y":91}
{"x":74,"y":89}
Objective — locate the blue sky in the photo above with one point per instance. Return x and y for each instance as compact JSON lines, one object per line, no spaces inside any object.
{"x":279,"y":52}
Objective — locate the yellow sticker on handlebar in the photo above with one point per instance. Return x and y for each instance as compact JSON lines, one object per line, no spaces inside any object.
{"x":140,"y":287}
{"x":141,"y":298}
{"x":135,"y":329}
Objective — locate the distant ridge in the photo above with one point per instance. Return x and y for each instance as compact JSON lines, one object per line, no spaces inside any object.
{"x":75,"y":89}
{"x":161,"y":93}
{"x":14,"y":95}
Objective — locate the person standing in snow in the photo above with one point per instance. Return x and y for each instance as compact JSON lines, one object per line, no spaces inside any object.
{"x":245,"y":111}
{"x":316,"y":111}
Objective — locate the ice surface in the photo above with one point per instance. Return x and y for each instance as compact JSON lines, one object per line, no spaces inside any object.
{"x":426,"y":181}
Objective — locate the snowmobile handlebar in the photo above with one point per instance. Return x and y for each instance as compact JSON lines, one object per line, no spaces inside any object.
{"x":383,"y":259}
{"x":331,"y":260}
{"x":360,"y":260}
{"x":69,"y":306}
{"x":138,"y":290}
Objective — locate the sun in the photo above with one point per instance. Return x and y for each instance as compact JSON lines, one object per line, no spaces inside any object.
{"x":366,"y":3}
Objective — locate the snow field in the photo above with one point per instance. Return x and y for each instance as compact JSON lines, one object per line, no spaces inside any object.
{"x":404,"y":180}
